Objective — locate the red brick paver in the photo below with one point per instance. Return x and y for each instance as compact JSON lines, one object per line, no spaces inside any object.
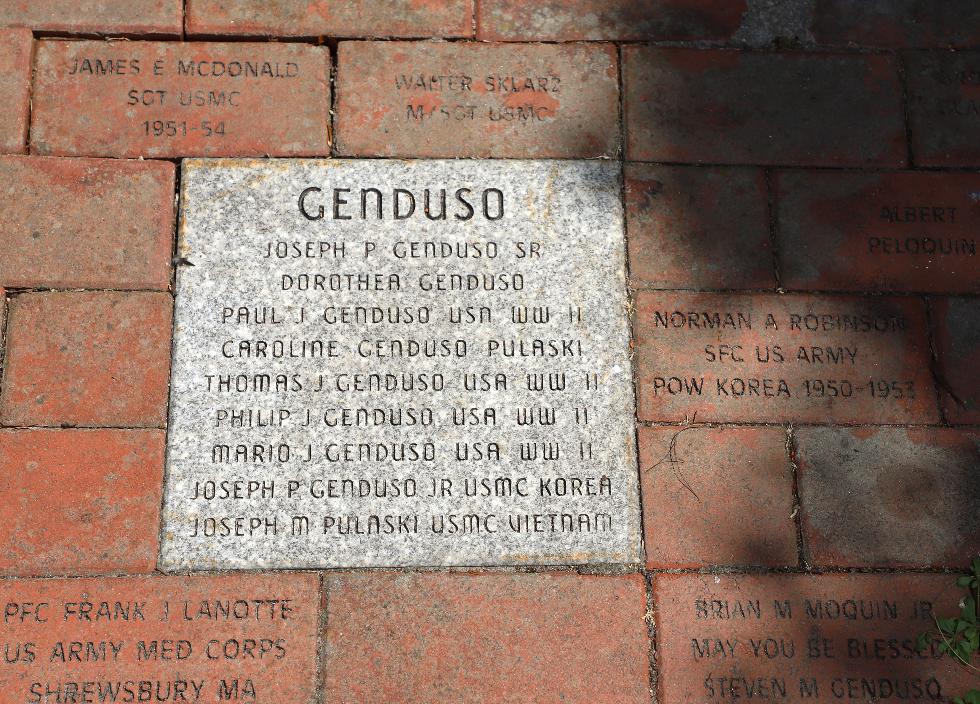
{"x":179,"y":639}
{"x":694,"y":227}
{"x":733,"y":107}
{"x":88,"y":223}
{"x":829,"y":148}
{"x":477,"y":100}
{"x":902,"y":231}
{"x":897,"y":23}
{"x":956,"y":324}
{"x":717,"y":496}
{"x":87,"y":359}
{"x":485,"y":638}
{"x":944,"y":102}
{"x":350,"y":18}
{"x":564,"y":20}
{"x":819,"y":638}
{"x":147,"y":17}
{"x":716,"y":357}
{"x":889,"y":497}
{"x":79,"y":501}
{"x":16,"y":47}
{"x":166,"y":99}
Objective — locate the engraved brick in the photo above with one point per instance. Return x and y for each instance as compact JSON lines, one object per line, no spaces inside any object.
{"x":531,"y":637}
{"x":820,"y":638}
{"x":735,"y":107}
{"x":754,"y":358}
{"x":170,"y":99}
{"x":878,"y":231}
{"x":944,"y":101}
{"x":551,"y":20}
{"x":957,"y":331}
{"x":334,"y":18}
{"x":200,"y":639}
{"x":118,"y":234}
{"x":477,"y":100}
{"x":160,"y":18}
{"x":897,"y":23}
{"x":87,"y":359}
{"x":79,"y":501}
{"x":15,"y":88}
{"x":693,"y":227}
{"x":717,"y":496}
{"x":889,"y":497}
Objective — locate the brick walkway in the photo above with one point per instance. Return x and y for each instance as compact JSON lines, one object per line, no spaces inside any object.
{"x":801,"y":183}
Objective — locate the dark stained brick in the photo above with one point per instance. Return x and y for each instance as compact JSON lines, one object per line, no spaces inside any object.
{"x":904,"y":231}
{"x":944,"y":104}
{"x":570,"y":20}
{"x":735,"y":107}
{"x":897,"y":23}
{"x":697,"y":227}
{"x":889,"y":497}
{"x":956,"y":324}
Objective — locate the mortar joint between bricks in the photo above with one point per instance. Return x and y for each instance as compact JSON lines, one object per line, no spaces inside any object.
{"x":939,"y":382}
{"x":797,"y":516}
{"x":174,"y":259}
{"x":649,"y":618}
{"x":4,"y":328}
{"x":906,"y":107}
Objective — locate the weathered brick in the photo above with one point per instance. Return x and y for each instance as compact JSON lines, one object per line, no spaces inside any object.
{"x":736,"y":107}
{"x":944,"y":104}
{"x":720,"y":357}
{"x":86,"y":223}
{"x":889,"y":497}
{"x":897,"y":23}
{"x":162,"y":99}
{"x":347,"y":18}
{"x":957,"y":330}
{"x":825,"y":638}
{"x":695,"y":227}
{"x":485,"y":638}
{"x":717,"y":496}
{"x":476,"y":100}
{"x":87,"y":359}
{"x":161,"y":18}
{"x":79,"y":501}
{"x":181,"y":639}
{"x":902,"y":231}
{"x":16,"y":47}
{"x":568,"y":20}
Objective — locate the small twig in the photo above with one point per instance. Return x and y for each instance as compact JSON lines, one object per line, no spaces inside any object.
{"x":671,"y":458}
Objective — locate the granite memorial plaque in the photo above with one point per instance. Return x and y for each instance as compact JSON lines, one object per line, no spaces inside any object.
{"x":388,"y":363}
